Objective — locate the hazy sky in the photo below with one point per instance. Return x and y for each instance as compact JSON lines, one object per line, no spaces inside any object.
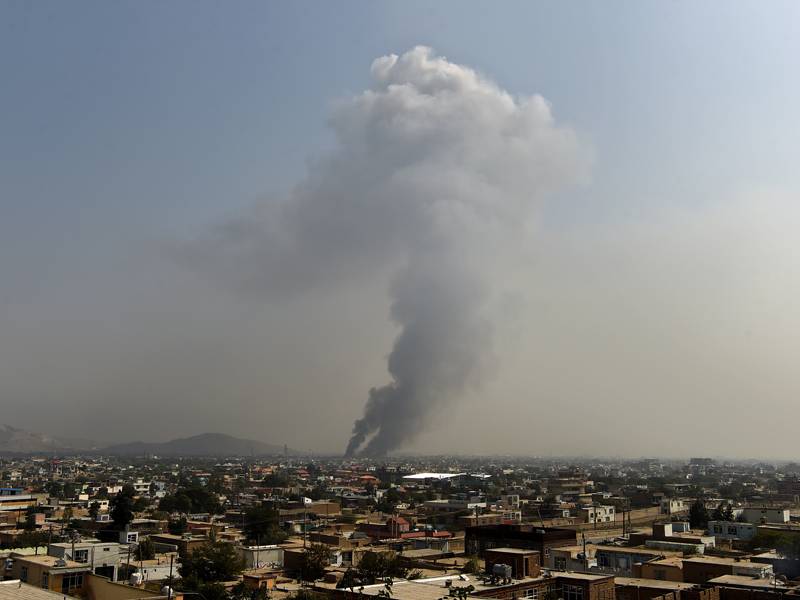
{"x":650,"y":310}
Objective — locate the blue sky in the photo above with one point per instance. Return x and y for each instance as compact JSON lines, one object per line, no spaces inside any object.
{"x":125,"y":126}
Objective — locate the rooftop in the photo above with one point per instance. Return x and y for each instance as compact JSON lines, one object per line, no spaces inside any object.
{"x":745,"y":581}
{"x":51,"y":561}
{"x":521,"y":551}
{"x":723,"y":560}
{"x":16,"y":590}
{"x":653,"y":583}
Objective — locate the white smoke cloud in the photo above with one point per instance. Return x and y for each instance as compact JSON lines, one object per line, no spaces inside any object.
{"x":433,"y":180}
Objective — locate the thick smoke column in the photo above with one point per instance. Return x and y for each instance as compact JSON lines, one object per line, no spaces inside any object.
{"x":442,"y":346}
{"x":434,"y":178}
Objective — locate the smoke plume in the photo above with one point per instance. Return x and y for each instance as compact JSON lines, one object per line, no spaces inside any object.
{"x":433,"y":180}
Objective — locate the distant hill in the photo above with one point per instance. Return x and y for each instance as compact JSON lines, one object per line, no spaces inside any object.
{"x":19,"y":441}
{"x":205,"y":444}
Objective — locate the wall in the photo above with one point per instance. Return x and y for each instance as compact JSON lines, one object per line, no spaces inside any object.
{"x":101,"y":588}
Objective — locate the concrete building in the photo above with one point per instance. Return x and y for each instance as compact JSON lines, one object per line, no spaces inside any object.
{"x":764,"y":515}
{"x":731,"y":530}
{"x":598,"y":514}
{"x":480,"y":539}
{"x":256,"y":557}
{"x":103,"y":558}
{"x":701,"y":570}
{"x":523,"y":563}
{"x":48,"y":572}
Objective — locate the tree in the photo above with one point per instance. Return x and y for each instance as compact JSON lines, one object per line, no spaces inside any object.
{"x":66,"y":516}
{"x":191,"y":499}
{"x":30,"y":519}
{"x":30,"y":539}
{"x":262,"y":525}
{"x":698,"y":514}
{"x":313,"y":562}
{"x":243,"y":592}
{"x":787,"y":545}
{"x":69,"y":490}
{"x":145,"y":550}
{"x":723,"y":512}
{"x":55,"y":489}
{"x":94,"y":510}
{"x":122,"y":508}
{"x":473,"y":565}
{"x":379,"y":565}
{"x":177,"y":526}
{"x":211,"y":563}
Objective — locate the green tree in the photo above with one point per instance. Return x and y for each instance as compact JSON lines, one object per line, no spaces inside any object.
{"x":243,"y":592}
{"x":177,"y":526}
{"x":787,"y":545}
{"x":140,"y":504}
{"x":122,"y":507}
{"x":380,"y":565}
{"x":698,"y":515}
{"x":30,"y":539}
{"x":723,"y":512}
{"x":211,"y":563}
{"x":30,"y":519}
{"x":262,"y":525}
{"x":472,"y":565}
{"x":55,"y":489}
{"x":94,"y":510}
{"x":313,"y":562}
{"x":145,"y":550}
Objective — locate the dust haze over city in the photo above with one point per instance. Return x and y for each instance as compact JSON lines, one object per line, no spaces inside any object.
{"x":538,"y":229}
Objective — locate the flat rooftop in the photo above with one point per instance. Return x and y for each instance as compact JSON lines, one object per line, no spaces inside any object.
{"x":50,"y":561}
{"x":723,"y":560}
{"x":14,"y":589}
{"x":435,"y":588}
{"x":520,"y":551}
{"x":659,"y":584}
{"x":745,"y":581}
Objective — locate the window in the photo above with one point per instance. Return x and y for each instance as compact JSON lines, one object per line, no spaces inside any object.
{"x":571,"y":592}
{"x":23,"y":574}
{"x":560,"y":563}
{"x":71,"y":581}
{"x":81,"y":555}
{"x":731,"y":530}
{"x":717,"y":528}
{"x":45,"y":580}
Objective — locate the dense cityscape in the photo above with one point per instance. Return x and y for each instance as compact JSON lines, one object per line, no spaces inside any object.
{"x":236,"y":527}
{"x":399,"y":300}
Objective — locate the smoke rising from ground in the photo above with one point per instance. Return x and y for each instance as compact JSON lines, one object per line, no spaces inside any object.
{"x":433,"y":180}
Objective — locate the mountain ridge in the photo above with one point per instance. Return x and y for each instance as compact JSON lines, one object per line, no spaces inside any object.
{"x":14,"y":440}
{"x":203,"y":444}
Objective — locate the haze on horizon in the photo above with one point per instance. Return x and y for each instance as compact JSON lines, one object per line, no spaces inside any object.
{"x":187,"y":244}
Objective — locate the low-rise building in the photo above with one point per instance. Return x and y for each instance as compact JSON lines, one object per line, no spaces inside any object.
{"x":103,"y":558}
{"x":731,"y":530}
{"x":703,"y":569}
{"x":48,"y":572}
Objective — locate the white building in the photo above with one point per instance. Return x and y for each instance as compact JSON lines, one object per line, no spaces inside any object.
{"x":599,"y":514}
{"x":731,"y":530}
{"x":764,"y":515}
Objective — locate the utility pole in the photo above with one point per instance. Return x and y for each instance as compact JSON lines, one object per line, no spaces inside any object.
{"x":169,"y":586}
